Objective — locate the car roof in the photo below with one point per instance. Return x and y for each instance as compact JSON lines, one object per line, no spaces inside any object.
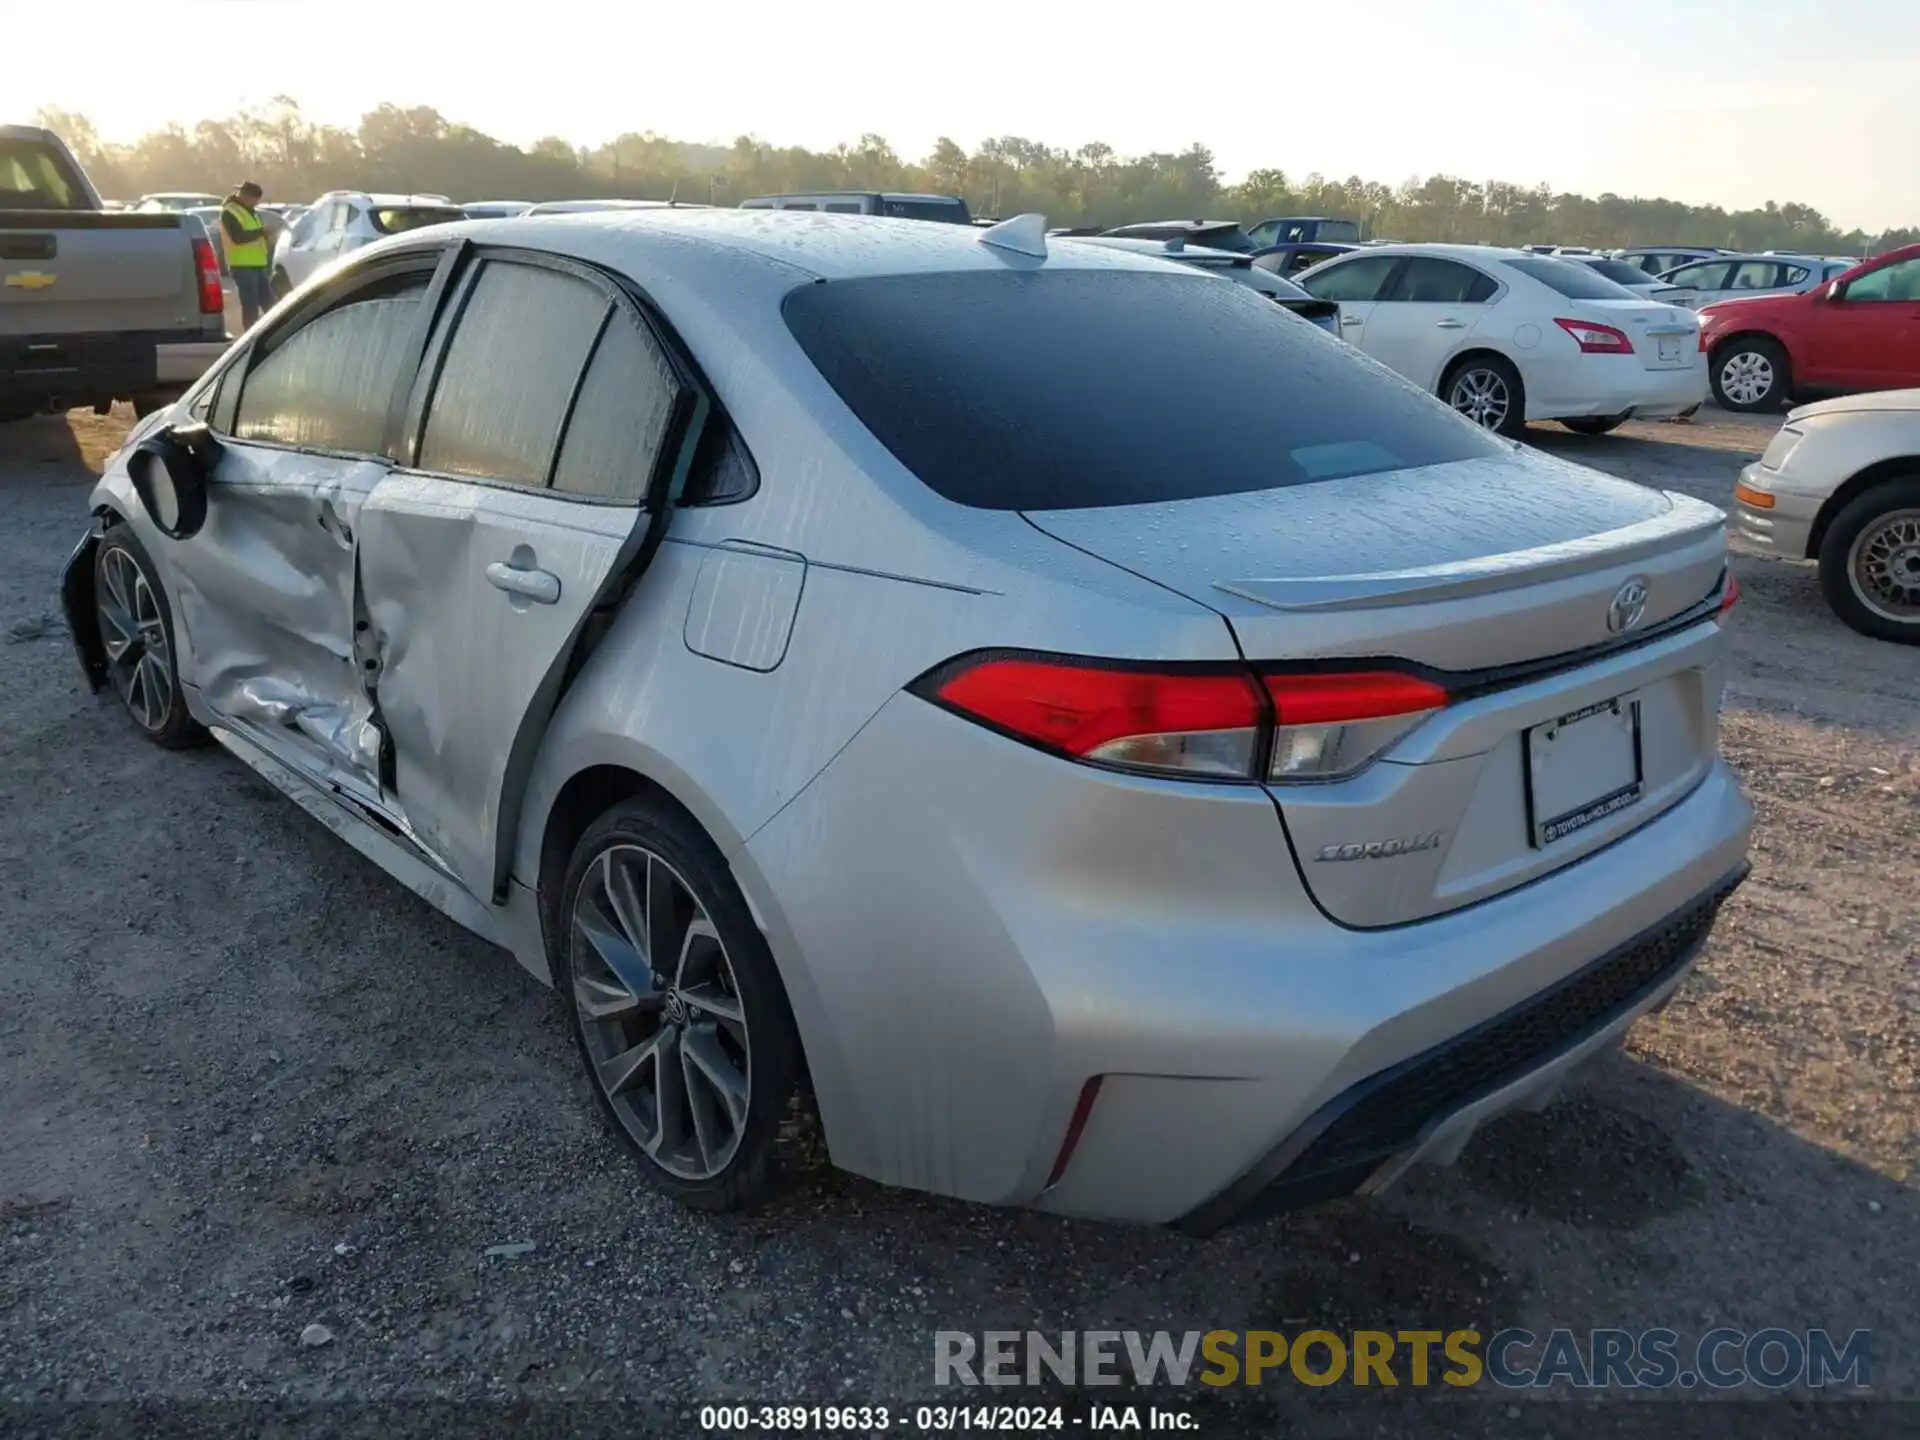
{"x":823,"y":245}
{"x":381,"y":199}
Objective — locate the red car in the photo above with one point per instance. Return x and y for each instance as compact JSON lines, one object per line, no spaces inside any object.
{"x":1860,"y":331}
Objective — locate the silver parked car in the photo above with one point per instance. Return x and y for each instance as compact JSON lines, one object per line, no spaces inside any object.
{"x":1113,"y":747}
{"x":1840,"y":483}
{"x":1728,"y":277}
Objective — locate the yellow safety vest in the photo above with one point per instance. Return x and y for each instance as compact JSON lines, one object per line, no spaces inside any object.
{"x":251,"y":253}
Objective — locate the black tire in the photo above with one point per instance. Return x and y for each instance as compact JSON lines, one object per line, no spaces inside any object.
{"x":1886,"y":516}
{"x":773,"y":1066}
{"x":1497,"y":400}
{"x":1594,"y":424}
{"x":1751,"y":375}
{"x":137,"y":670}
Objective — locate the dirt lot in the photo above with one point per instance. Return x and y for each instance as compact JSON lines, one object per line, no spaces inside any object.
{"x":251,"y":1084}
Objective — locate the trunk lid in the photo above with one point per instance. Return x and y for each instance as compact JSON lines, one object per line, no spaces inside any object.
{"x":1664,"y":336}
{"x":1503,"y":573}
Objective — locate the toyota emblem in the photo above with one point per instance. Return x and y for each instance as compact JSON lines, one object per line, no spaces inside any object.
{"x":1629,"y":606}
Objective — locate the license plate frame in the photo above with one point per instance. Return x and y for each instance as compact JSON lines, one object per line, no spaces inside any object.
{"x":1601,"y":738}
{"x":1669,"y":347}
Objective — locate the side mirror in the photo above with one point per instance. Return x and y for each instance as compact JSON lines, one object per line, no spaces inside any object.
{"x":169,"y":471}
{"x":1835,"y":290}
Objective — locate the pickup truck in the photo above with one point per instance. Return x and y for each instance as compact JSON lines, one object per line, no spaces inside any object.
{"x":96,"y":305}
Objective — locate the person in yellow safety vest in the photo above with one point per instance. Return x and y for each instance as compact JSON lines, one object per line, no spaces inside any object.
{"x":243,"y":235}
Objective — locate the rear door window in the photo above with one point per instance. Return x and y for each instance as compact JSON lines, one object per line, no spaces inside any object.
{"x":328,"y":385}
{"x":1352,"y":280}
{"x":1753,"y":275}
{"x":509,"y":373}
{"x":1710,"y":275}
{"x":620,"y":418}
{"x":1429,"y":280}
{"x":1064,"y":388}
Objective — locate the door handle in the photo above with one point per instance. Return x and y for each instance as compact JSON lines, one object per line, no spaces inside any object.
{"x":1351,"y":320}
{"x":1449,"y":324}
{"x":540,"y":586}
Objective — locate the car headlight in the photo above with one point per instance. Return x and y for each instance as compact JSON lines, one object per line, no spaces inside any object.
{"x":1779,"y":448}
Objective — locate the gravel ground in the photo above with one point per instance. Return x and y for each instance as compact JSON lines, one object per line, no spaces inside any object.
{"x":252,"y":1085}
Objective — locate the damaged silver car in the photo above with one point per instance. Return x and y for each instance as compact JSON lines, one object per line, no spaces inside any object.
{"x":1106,"y":744}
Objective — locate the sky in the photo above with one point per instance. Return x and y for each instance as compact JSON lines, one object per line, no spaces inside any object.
{"x":1732,"y":103}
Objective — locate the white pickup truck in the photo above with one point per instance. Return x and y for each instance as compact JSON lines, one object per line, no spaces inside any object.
{"x":96,"y":305}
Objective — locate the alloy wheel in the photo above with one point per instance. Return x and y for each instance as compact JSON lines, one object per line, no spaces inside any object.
{"x":1481,"y":396}
{"x":659,"y":1007}
{"x":135,"y":638}
{"x":1883,"y":566}
{"x":1747,"y":377}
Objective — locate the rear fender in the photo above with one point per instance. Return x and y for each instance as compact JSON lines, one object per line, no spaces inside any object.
{"x":83,"y":617}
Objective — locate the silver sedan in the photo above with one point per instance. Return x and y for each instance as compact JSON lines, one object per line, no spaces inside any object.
{"x":1101,"y":744}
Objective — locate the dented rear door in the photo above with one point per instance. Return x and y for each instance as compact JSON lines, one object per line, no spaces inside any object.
{"x":551,"y":427}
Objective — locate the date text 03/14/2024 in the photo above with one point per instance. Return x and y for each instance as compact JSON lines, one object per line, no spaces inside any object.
{"x":940,"y":1419}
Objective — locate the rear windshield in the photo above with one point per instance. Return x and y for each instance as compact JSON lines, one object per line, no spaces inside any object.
{"x":954,"y":211}
{"x":391,"y":221}
{"x":1074,"y":389}
{"x":1575,"y":281}
{"x":1618,"y":271}
{"x":33,"y":177}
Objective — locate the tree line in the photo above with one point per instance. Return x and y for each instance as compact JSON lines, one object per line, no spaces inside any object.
{"x":415,"y":148}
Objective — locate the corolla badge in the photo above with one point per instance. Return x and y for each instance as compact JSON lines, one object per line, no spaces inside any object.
{"x":1629,"y":606}
{"x":1380,"y":849}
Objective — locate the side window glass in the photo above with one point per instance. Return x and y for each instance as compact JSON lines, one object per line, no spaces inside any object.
{"x":517,"y":349}
{"x":1699,"y":277}
{"x":842,"y":207}
{"x":1899,"y":281}
{"x":799,"y":205}
{"x":1752,"y":275}
{"x":1429,"y":281}
{"x":621,"y":417}
{"x":1482,"y":289}
{"x":1793,"y":274}
{"x":1352,"y":279}
{"x":327,"y":386}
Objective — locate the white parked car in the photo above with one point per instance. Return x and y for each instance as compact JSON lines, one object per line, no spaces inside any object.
{"x":1728,"y":277}
{"x":343,"y":221}
{"x":1656,"y":260}
{"x":1505,"y":337}
{"x":1840,"y":484}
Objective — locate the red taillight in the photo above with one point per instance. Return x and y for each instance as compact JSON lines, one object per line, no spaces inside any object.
{"x":1596,"y":339}
{"x":1205,"y":722}
{"x":1729,"y":593}
{"x":212,"y":301}
{"x":1200,"y":723}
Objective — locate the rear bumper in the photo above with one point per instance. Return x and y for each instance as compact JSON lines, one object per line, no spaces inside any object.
{"x":60,"y":372}
{"x":1425,"y":1109}
{"x":1785,"y":528}
{"x":1616,"y":385}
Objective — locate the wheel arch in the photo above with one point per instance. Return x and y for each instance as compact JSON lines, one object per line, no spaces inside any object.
{"x":1878,"y":473}
{"x":1752,"y":332}
{"x":78,"y":596}
{"x":1479,"y":352}
{"x":596,"y":786}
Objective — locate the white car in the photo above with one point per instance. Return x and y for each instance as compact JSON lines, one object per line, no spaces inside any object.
{"x":1728,"y":277}
{"x":343,"y":221}
{"x":1840,"y":484}
{"x":1505,"y":337}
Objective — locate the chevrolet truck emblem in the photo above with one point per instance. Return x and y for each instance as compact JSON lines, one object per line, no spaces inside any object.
{"x":30,"y":280}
